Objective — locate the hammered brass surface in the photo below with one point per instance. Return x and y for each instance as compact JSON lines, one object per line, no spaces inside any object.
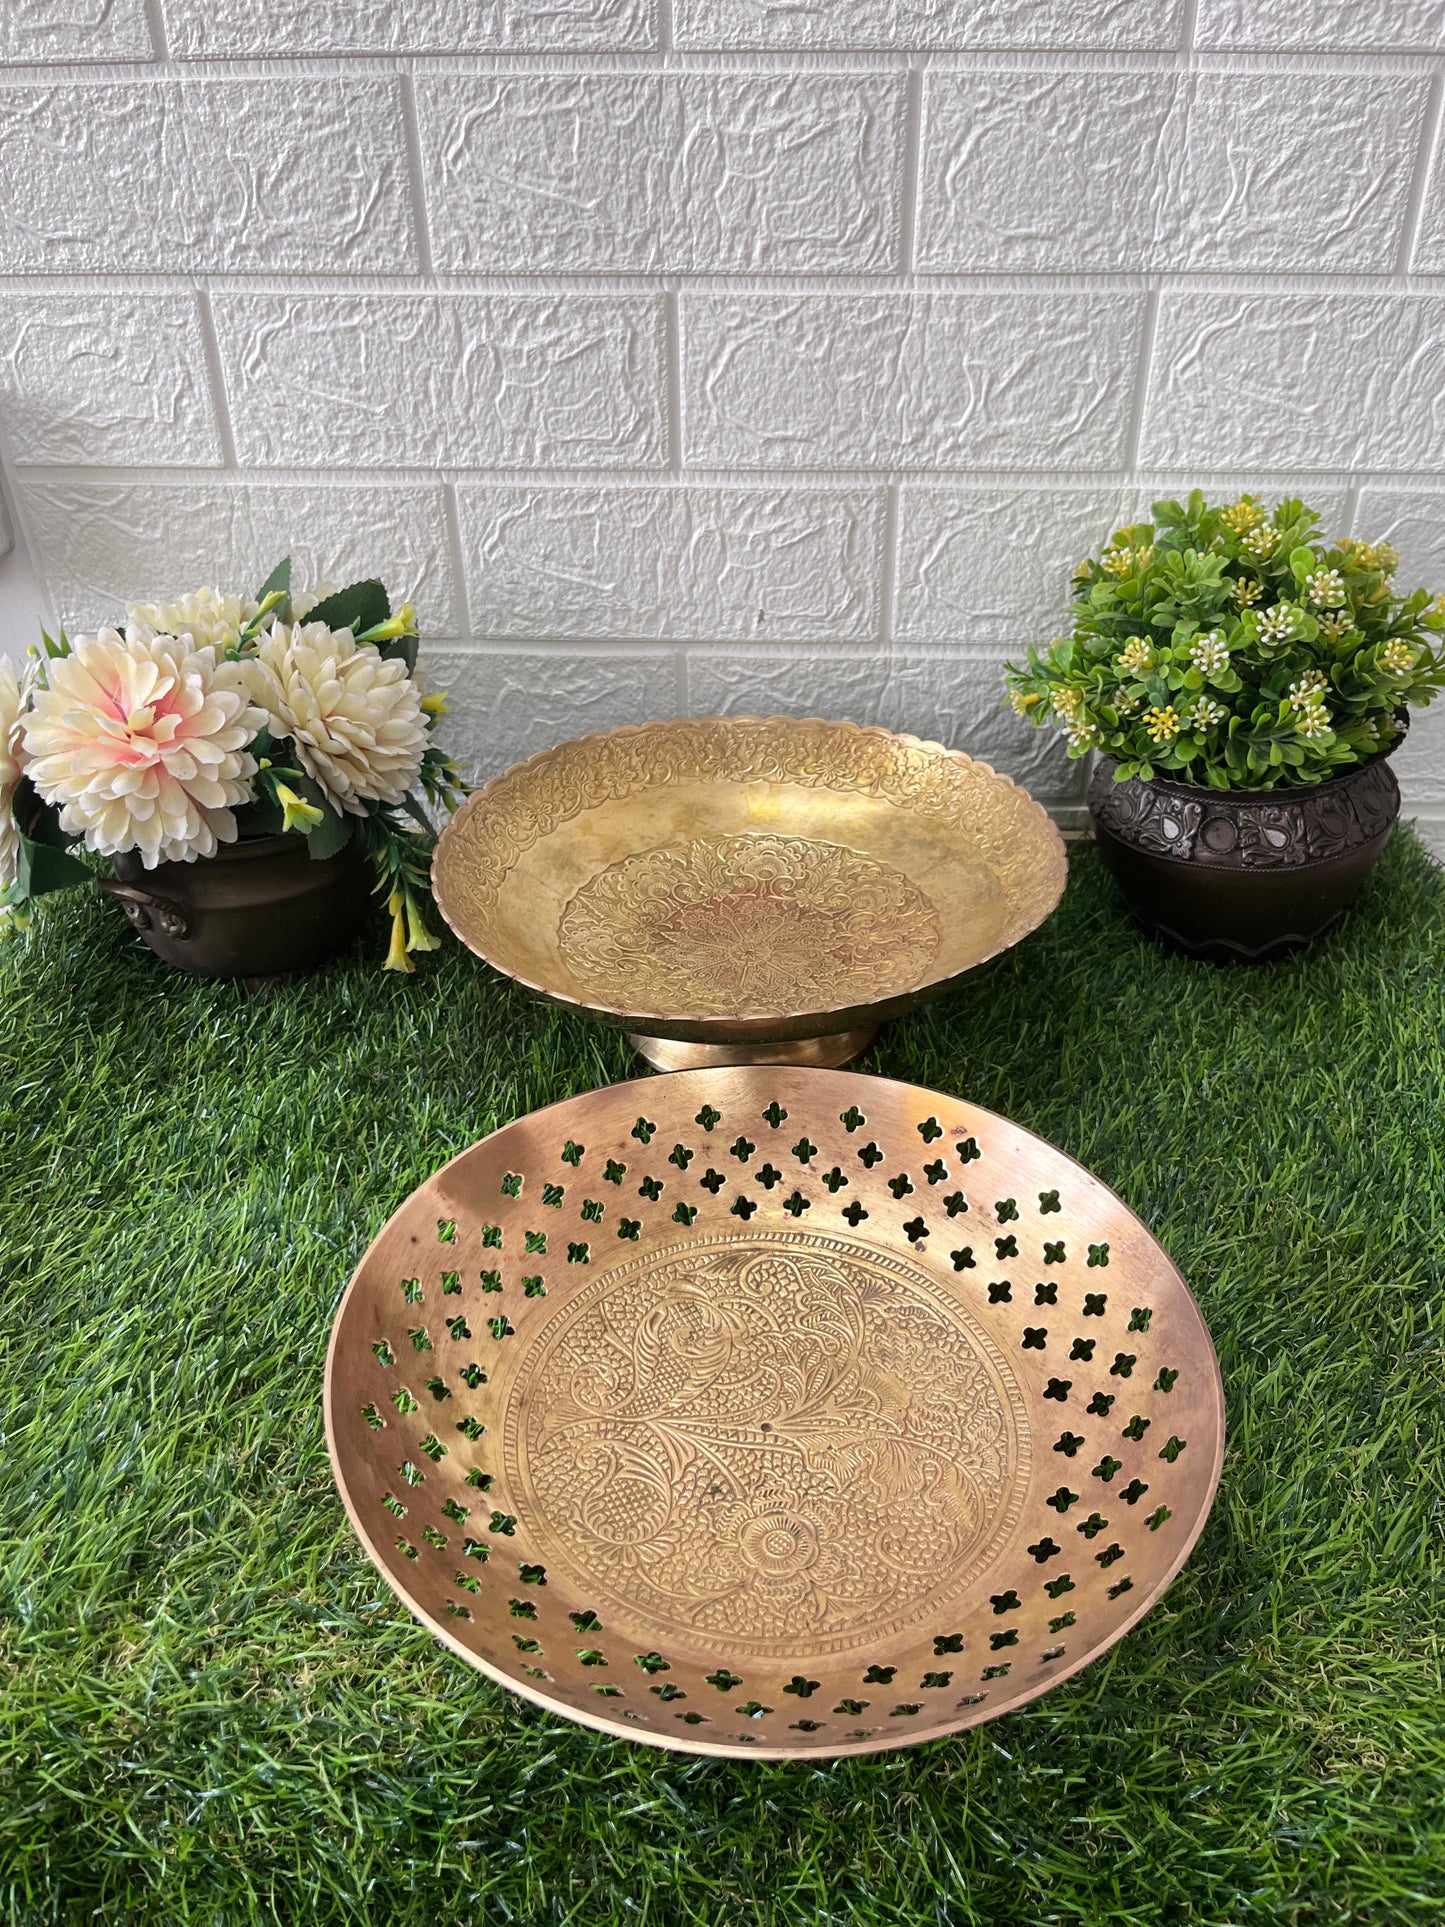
{"x":773,"y":1411}
{"x":730,"y":880}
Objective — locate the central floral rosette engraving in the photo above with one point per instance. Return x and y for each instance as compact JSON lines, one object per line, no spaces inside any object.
{"x":776,"y":1441}
{"x":748,"y":924}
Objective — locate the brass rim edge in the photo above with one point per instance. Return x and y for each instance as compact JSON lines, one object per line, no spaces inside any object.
{"x":640,"y":1020}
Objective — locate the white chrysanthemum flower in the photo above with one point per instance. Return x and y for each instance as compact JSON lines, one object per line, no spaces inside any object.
{"x":1136,"y":656}
{"x":1397,"y":658}
{"x":1206,"y":712}
{"x":1326,"y":588}
{"x":212,"y":619}
{"x":142,"y":743}
{"x":302,"y":605}
{"x":354,"y":716}
{"x":1210,"y":654}
{"x":15,"y":694}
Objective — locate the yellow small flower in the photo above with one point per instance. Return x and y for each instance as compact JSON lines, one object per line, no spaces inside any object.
{"x":1242,"y":515}
{"x":396,"y":957}
{"x":296,"y":812}
{"x":1246,"y":590}
{"x":403,"y":623}
{"x":1162,"y":724}
{"x":1066,"y":702}
{"x":1397,"y":658}
{"x":1136,"y":656}
{"x":1334,"y":625}
{"x":418,"y":936}
{"x":436,"y":704}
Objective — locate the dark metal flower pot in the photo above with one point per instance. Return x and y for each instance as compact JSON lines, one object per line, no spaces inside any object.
{"x":258,"y":908}
{"x":1242,"y":876}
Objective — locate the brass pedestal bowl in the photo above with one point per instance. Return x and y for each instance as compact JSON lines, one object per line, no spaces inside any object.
{"x":770,"y":1410}
{"x":732,"y":890}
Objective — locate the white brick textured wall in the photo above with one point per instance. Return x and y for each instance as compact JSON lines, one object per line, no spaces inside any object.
{"x":690,"y":355}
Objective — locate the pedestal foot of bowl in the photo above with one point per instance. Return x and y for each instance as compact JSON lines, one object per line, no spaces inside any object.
{"x":827,"y":1053}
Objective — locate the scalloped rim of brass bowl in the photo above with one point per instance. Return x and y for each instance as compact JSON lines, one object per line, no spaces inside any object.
{"x":917,"y":827}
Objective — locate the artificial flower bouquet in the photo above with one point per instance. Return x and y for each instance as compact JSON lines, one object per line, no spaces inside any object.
{"x":217,"y":717}
{"x":1236,"y":650}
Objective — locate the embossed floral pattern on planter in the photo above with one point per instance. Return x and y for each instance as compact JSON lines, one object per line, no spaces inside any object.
{"x":719,"y":925}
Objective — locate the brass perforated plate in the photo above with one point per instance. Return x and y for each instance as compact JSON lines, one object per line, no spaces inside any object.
{"x":732,"y":880}
{"x":772,"y":1411}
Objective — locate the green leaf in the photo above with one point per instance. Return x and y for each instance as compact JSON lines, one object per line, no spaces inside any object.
{"x":262,"y":817}
{"x":402,"y":648}
{"x":41,"y":869}
{"x":360,"y":606}
{"x":38,"y":820}
{"x":331,"y":835}
{"x":279,"y":578}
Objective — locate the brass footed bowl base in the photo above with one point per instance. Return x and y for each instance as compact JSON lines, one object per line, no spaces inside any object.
{"x":774,"y":1411}
{"x":828,"y":1053}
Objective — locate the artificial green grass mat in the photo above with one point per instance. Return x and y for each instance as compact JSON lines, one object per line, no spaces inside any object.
{"x":214,"y":1710}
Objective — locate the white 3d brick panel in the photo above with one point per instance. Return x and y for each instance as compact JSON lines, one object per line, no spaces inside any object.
{"x":175,"y":176}
{"x":97,"y":378}
{"x":1152,"y":170}
{"x":505,"y":705}
{"x":928,"y":24}
{"x":1323,"y":26}
{"x":746,"y":565}
{"x":54,"y":30}
{"x":744,"y":354}
{"x":1015,"y":380}
{"x":96,"y":540}
{"x":1314,"y":380}
{"x":208,"y":29}
{"x":478,"y":381}
{"x":656,"y":172}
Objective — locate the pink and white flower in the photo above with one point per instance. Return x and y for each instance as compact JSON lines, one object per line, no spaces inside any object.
{"x":141,"y":741}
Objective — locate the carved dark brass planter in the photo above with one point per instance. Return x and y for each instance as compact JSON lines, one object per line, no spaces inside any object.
{"x":258,"y":908}
{"x":1242,"y":876}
